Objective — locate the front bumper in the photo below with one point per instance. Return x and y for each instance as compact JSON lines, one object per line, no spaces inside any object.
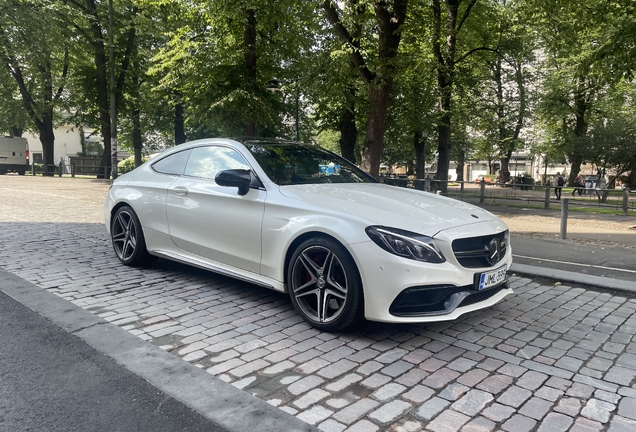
{"x":430,"y":301}
{"x":388,"y":279}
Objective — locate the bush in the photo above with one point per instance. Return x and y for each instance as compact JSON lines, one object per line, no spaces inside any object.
{"x":38,"y":168}
{"x":128,"y":164}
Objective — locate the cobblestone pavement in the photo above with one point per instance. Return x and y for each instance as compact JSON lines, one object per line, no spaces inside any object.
{"x":549,"y":358}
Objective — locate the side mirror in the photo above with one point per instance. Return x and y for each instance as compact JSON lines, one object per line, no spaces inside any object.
{"x":240,"y":178}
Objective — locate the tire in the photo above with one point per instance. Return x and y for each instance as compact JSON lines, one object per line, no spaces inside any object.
{"x":128,"y":239}
{"x":21,"y":172}
{"x":324,"y":285}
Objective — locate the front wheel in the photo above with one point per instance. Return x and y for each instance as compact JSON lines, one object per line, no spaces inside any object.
{"x":128,"y":238}
{"x":324,"y":285}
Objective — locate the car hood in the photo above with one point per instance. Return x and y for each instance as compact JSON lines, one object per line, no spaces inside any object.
{"x":413,"y":210}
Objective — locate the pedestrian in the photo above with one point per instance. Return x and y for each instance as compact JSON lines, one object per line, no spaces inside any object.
{"x":559,"y":182}
{"x":578,"y":185}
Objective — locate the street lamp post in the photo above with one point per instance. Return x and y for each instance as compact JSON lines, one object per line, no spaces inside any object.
{"x":424,"y":139}
{"x":297,"y":113}
{"x":113,"y":104}
{"x":274,"y":85}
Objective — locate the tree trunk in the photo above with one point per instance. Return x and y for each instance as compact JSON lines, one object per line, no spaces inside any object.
{"x":373,"y":146}
{"x":179,"y":124}
{"x":101,"y":81}
{"x":47,"y":138}
{"x":504,"y":172}
{"x":389,"y":19}
{"x":102,"y":78}
{"x":580,"y":129}
{"x":249,"y":71}
{"x":444,"y":51}
{"x":631,"y":179}
{"x":43,"y":119}
{"x":460,"y":166}
{"x":348,"y":133}
{"x":443,"y":147}
{"x":445,"y":65}
{"x":136,"y":136}
{"x":504,"y":144}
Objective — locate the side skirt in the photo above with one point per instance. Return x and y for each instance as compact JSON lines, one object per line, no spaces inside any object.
{"x":205,"y":266}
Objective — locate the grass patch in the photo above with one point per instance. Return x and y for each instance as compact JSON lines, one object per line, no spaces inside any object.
{"x":601,"y":210}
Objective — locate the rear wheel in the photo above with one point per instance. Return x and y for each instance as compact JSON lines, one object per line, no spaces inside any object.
{"x":128,"y":238}
{"x":324,"y":285}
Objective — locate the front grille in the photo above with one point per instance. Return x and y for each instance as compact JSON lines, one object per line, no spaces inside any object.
{"x":476,"y":252}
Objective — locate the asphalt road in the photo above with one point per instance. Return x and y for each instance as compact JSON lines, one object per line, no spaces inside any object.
{"x":606,"y":261}
{"x":52,"y":381}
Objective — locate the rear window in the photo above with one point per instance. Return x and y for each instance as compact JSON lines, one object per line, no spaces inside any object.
{"x":174,"y":164}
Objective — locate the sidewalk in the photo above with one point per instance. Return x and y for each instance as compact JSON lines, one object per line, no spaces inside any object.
{"x":612,"y":230}
{"x":52,"y":381}
{"x":598,"y":251}
{"x":69,"y":370}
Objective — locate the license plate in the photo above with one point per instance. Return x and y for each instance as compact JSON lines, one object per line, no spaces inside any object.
{"x":492,"y":278}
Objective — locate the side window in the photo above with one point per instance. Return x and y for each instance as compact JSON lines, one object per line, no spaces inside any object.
{"x":206,"y":162}
{"x":173,"y":164}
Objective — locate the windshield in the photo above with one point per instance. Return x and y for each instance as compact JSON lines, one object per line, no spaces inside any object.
{"x":293,"y":164}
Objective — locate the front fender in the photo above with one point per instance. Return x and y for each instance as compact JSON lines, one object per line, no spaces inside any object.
{"x":282,"y":227}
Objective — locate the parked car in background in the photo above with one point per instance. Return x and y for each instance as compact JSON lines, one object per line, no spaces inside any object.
{"x":299,"y":219}
{"x":590,"y":182}
{"x":14,"y":155}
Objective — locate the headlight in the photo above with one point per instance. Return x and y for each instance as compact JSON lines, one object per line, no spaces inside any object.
{"x":406,"y":244}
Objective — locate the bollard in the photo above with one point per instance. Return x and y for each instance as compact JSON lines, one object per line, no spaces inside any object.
{"x":427,"y":184}
{"x":462,"y":187}
{"x":547,"y":196}
{"x":564,"y":218}
{"x":482,"y":191}
{"x":625,"y":202}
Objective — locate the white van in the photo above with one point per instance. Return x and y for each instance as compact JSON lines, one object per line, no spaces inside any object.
{"x":14,"y":155}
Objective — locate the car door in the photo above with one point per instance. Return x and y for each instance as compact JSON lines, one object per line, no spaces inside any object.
{"x":213,"y":221}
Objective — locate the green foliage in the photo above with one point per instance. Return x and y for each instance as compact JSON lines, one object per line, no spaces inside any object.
{"x":128,"y":164}
{"x":12,"y":113}
{"x":328,"y":139}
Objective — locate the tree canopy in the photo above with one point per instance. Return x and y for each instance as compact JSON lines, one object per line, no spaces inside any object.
{"x":393,"y":81}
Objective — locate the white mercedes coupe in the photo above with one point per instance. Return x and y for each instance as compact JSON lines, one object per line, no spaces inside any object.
{"x":299,"y":219}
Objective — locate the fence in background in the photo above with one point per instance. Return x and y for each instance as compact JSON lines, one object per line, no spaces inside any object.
{"x":88,"y":166}
{"x":580,"y":199}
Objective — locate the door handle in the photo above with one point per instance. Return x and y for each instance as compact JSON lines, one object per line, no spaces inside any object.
{"x":180,"y":190}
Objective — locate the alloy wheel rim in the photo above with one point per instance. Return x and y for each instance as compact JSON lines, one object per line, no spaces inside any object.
{"x":319,"y":284}
{"x":124,"y":235}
